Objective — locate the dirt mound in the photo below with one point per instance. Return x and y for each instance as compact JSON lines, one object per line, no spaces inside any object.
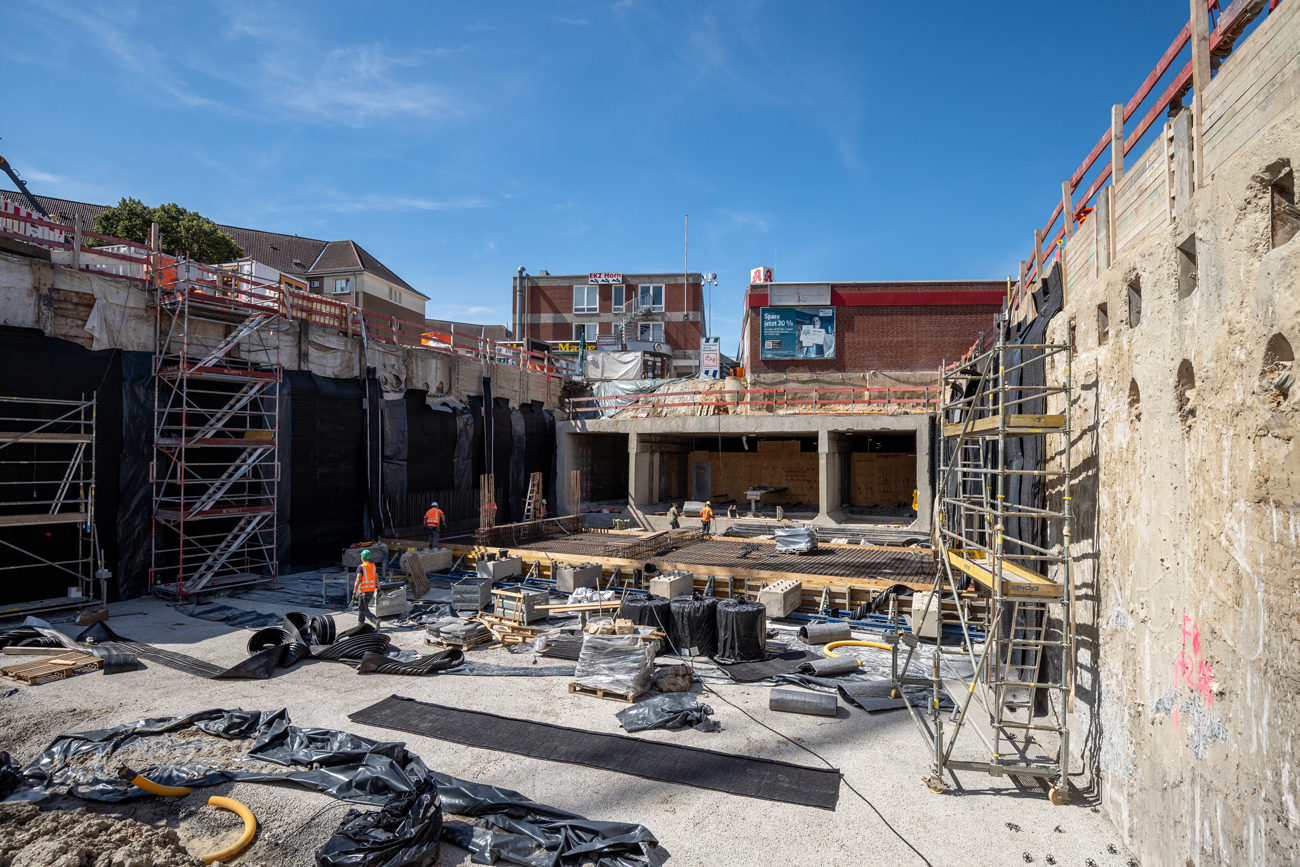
{"x":76,"y":838}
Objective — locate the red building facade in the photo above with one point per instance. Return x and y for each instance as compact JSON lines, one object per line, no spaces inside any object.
{"x":902,"y":326}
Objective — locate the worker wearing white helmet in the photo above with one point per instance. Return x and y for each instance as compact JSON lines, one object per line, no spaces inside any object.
{"x":433,"y":521}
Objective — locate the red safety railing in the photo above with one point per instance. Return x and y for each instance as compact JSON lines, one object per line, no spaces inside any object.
{"x":874,"y":399}
{"x":1231,"y":21}
{"x":227,"y":286}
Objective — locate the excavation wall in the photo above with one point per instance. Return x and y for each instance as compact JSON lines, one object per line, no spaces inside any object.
{"x":1187,"y":496}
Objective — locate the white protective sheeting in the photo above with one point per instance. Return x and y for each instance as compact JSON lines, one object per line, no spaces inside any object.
{"x":611,"y":365}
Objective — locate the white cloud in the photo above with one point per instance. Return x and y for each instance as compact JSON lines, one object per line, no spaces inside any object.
{"x":746,"y":218}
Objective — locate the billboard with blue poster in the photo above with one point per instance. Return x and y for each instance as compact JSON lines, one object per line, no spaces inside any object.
{"x":797,"y":332}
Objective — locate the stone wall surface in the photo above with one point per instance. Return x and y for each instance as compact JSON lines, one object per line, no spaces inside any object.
{"x":1186,"y":525}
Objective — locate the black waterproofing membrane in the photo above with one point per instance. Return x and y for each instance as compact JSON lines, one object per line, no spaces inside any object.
{"x":672,"y":710}
{"x":786,"y":662}
{"x":652,"y":760}
{"x":352,"y":768}
{"x":693,"y":625}
{"x":742,"y":631}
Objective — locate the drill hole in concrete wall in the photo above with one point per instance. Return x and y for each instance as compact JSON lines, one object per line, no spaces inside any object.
{"x":1103,"y":325}
{"x":1284,"y":216}
{"x":1276,"y":373}
{"x":1188,"y":273}
{"x":1134,"y":401}
{"x":1134,"y":302}
{"x":1185,"y":391}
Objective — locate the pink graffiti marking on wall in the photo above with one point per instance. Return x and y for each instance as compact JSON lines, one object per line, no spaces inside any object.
{"x":1192,"y":670}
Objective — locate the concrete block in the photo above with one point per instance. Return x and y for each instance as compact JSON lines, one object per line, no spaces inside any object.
{"x":927,"y":604}
{"x":502,"y":568}
{"x":671,"y":585}
{"x":781,"y":597}
{"x":570,"y":578}
{"x":436,"y":560}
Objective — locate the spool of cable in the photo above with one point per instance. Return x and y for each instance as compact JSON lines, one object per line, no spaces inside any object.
{"x":693,"y":625}
{"x":653,"y":611}
{"x":798,"y":701}
{"x":824,"y":633}
{"x":742,"y":631}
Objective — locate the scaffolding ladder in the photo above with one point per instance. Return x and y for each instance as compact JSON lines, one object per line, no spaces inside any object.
{"x":215,"y":473}
{"x":47,"y":489}
{"x":1013,"y":690}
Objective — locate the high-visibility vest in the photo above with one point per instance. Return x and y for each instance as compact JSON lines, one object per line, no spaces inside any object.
{"x":706,"y":514}
{"x":369,"y":581}
{"x":434,"y":517}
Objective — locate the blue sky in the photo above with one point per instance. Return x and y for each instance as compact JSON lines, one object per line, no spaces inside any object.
{"x":457,"y":141}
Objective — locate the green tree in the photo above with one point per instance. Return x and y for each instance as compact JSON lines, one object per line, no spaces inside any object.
{"x":181,"y":231}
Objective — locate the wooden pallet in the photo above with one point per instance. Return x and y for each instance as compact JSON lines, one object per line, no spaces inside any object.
{"x":611,"y":694}
{"x":54,"y":668}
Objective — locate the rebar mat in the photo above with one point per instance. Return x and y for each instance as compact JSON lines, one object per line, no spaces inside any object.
{"x":845,"y":562}
{"x":652,"y":760}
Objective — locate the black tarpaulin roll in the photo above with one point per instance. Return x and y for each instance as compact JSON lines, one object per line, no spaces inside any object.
{"x":693,"y":627}
{"x":653,"y":611}
{"x":742,"y":631}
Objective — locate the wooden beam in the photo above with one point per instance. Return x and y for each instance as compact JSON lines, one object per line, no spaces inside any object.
{"x":1067,"y":209}
{"x":36,"y":520}
{"x":1117,"y":144}
{"x":1013,"y":583}
{"x":1200,"y":24}
{"x":1016,"y":424}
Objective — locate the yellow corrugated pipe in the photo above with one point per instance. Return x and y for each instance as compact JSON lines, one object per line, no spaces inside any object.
{"x":250,"y":828}
{"x":150,"y":786}
{"x":834,"y":644}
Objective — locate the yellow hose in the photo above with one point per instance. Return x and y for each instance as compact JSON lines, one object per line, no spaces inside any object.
{"x":828,"y":648}
{"x":250,"y":828}
{"x":150,"y":786}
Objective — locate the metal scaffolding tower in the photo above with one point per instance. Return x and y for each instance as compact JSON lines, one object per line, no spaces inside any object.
{"x":47,"y":480}
{"x":1013,"y":554}
{"x":217,"y":390}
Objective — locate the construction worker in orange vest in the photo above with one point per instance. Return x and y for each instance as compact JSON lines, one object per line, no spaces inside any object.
{"x":434,"y":519}
{"x":366,"y":587}
{"x":706,"y":517}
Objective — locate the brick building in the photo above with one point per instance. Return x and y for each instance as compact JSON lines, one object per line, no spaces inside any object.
{"x":656,"y":312}
{"x":860,"y":326}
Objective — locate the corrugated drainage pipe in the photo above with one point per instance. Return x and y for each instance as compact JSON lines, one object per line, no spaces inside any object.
{"x":150,"y":786}
{"x":250,"y":828}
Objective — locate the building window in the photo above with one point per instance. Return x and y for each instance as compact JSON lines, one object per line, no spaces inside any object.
{"x":620,"y":298}
{"x":586,"y":299}
{"x":394,"y":295}
{"x":315,"y":284}
{"x":651,"y":297}
{"x":651,"y":332}
{"x":342,"y":284}
{"x":584,"y":331}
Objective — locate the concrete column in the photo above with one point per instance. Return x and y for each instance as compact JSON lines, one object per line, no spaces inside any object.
{"x":639,"y":494}
{"x":830,"y":467}
{"x":924,"y":487}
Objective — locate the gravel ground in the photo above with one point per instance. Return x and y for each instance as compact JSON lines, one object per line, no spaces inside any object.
{"x":985,"y":820}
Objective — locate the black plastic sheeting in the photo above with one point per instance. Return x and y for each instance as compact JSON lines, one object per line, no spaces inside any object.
{"x":652,"y":760}
{"x":135,"y":504}
{"x":322,"y":460}
{"x":351,"y":768}
{"x":653,"y":611}
{"x":693,"y":625}
{"x":9,"y":775}
{"x":742,"y":631}
{"x":36,"y":366}
{"x":786,"y":662}
{"x":672,"y":710}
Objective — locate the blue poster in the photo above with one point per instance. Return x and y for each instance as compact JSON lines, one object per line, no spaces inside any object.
{"x":797,"y":332}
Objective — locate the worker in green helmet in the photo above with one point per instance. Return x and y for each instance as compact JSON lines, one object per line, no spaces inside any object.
{"x":366,"y":587}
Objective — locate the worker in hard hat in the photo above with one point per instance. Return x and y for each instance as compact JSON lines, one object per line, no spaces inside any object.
{"x":366,"y":588}
{"x":433,"y":521}
{"x":543,"y":514}
{"x":706,"y":518}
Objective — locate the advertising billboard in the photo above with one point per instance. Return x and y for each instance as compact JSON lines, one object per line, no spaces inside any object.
{"x":797,"y":332}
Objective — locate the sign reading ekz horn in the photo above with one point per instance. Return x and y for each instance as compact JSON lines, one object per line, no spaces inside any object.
{"x":604,"y":277}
